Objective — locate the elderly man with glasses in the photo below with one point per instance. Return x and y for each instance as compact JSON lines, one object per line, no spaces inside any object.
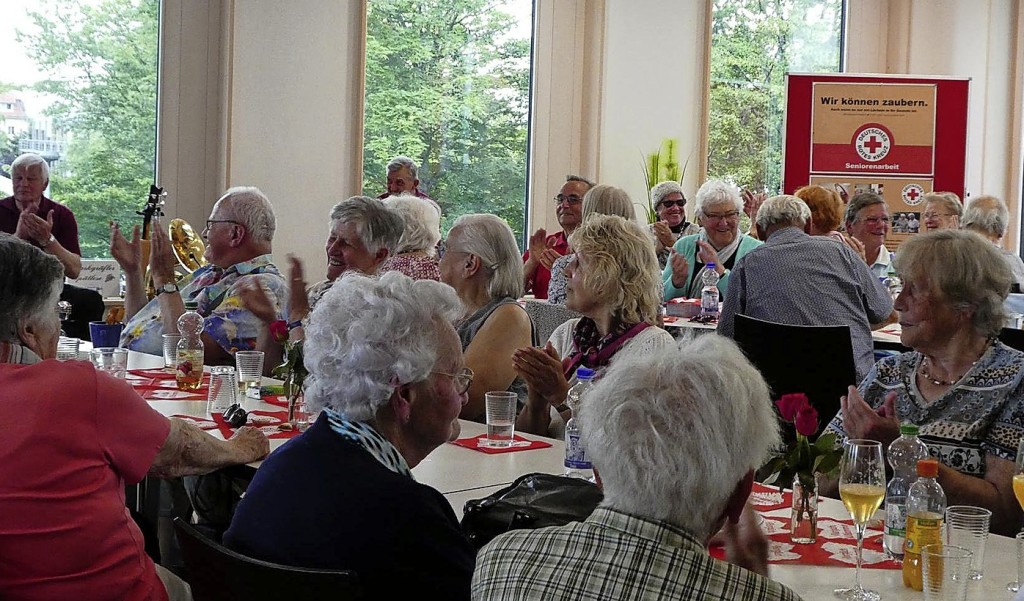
{"x":544,"y":249}
{"x":238,"y":238}
{"x":386,"y":367}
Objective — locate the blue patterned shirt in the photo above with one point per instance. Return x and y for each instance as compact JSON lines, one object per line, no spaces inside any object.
{"x":981,"y":414}
{"x":612,"y":555}
{"x":227,"y":321}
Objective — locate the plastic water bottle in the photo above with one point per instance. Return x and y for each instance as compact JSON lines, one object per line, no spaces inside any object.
{"x":904,"y":453}
{"x":926,"y":506}
{"x":709,"y":294}
{"x":188,"y":367}
{"x":577,"y":464}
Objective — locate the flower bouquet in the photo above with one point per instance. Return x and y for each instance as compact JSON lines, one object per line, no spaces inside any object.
{"x":292,"y":371}
{"x":801,"y":462}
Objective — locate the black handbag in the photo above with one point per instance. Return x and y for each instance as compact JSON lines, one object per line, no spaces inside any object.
{"x":532,"y":501}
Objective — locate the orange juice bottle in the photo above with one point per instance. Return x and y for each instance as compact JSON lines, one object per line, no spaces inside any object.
{"x":926,"y":506}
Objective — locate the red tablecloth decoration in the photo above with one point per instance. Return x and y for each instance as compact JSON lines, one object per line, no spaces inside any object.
{"x":160,"y":385}
{"x":479,"y":443}
{"x":201,"y":422}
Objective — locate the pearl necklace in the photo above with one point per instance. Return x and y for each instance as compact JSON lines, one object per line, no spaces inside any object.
{"x":938,"y":382}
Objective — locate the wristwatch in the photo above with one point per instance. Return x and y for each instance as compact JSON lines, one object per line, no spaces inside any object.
{"x":48,"y":242}
{"x":168,"y":287}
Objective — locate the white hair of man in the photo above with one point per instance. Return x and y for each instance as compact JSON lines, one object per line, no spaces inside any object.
{"x":29,"y":160}
{"x":716,"y":192}
{"x":402,"y":161}
{"x":366,"y":336}
{"x":673,"y":435}
{"x":987,"y":215}
{"x":30,"y":284}
{"x":251,"y":207}
{"x":491,"y":239}
{"x":422,"y":223}
{"x":376,"y":225}
{"x":663,"y":189}
{"x":783,"y":210}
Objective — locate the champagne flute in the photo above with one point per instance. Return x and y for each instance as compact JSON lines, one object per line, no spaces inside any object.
{"x":1018,"y":491}
{"x":862,"y":489}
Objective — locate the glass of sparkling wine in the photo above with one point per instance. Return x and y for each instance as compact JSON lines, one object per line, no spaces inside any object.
{"x":862,"y":489}
{"x":1018,"y":491}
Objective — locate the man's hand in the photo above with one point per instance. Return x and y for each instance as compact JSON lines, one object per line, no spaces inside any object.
{"x":861,"y":421}
{"x":128,"y":254}
{"x":250,"y":444}
{"x":548,"y":257}
{"x":161,"y":255}
{"x":32,"y":227}
{"x":680,"y":268}
{"x":752,"y":201}
{"x":538,"y":244}
{"x":663,"y":233}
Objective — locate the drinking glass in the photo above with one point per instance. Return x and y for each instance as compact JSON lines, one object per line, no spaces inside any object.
{"x":112,"y":360}
{"x":862,"y":489}
{"x":1018,"y":491}
{"x":223,"y":389}
{"x":171,"y":350}
{"x":249,"y":365}
{"x":501,"y":418}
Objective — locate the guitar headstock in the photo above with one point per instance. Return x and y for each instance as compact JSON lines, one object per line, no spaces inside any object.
{"x":154,"y":204}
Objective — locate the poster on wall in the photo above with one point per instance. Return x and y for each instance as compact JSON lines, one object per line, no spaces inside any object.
{"x":899,"y":136}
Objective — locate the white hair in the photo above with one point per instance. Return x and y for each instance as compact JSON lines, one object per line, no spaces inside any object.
{"x":29,"y":160}
{"x":376,"y":225}
{"x":491,"y":239}
{"x":608,"y":200}
{"x":986,"y":214}
{"x":368,"y":335}
{"x":402,"y":161}
{"x":716,"y":192}
{"x":783,"y":210}
{"x":422,"y":223}
{"x":30,"y":284}
{"x":251,"y":207}
{"x":673,"y":434}
{"x":663,"y":189}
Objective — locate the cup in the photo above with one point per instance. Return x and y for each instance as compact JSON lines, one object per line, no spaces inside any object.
{"x":967,"y":527}
{"x":105,"y":334}
{"x":223,"y":389}
{"x":249,"y":365}
{"x":946,"y":570}
{"x":171,"y":350}
{"x":301,"y":415}
{"x":501,"y":418}
{"x":67,"y":348}
{"x":114,"y":361}
{"x":1015,"y":585}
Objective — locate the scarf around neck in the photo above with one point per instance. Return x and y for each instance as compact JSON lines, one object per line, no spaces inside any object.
{"x":364,"y":435}
{"x":724,"y":255}
{"x":17,"y":354}
{"x":592,"y":350}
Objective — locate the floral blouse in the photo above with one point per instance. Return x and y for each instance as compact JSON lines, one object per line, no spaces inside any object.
{"x":227,"y":321}
{"x":981,"y":414}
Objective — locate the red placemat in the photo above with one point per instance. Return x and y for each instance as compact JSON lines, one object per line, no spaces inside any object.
{"x":160,"y":385}
{"x":267,"y":421}
{"x":479,"y":443}
{"x":769,"y":498}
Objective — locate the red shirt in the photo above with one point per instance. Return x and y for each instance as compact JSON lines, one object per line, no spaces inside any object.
{"x":65,"y":227}
{"x":72,"y":438}
{"x":539,"y":284}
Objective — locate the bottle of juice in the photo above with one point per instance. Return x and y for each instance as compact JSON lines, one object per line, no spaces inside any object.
{"x":926,"y":506}
{"x":189,"y":365}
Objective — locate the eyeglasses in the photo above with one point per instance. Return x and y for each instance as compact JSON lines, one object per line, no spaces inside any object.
{"x":210,"y":222}
{"x":936,"y":215}
{"x":877,"y":220}
{"x":462,"y":380}
{"x":572,"y":199}
{"x":730,"y":216}
{"x":671,"y":203}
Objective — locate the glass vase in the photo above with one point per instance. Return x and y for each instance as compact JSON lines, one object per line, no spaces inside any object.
{"x":803,"y":522}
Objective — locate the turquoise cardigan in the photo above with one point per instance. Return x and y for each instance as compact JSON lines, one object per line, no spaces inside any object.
{"x":687,"y":247}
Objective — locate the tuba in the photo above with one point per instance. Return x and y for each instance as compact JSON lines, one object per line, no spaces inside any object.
{"x":188,"y":246}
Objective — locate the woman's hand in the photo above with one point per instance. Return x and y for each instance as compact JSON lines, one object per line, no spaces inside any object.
{"x":861,"y":421}
{"x":298,"y":302}
{"x":708,"y":254}
{"x":541,"y":368}
{"x":663,"y":233}
{"x":256,"y":300}
{"x":856,"y":245}
{"x":680,"y":268}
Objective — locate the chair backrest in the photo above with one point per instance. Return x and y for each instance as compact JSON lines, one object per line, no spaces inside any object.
{"x":217,"y":573}
{"x":1012,"y":338}
{"x":547,"y":317}
{"x":814,"y":360}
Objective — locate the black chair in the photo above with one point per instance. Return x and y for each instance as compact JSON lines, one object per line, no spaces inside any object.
{"x":1012,"y":338}
{"x":217,"y":573}
{"x":814,"y":360}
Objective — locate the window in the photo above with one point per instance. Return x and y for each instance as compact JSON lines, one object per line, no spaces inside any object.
{"x":447,"y":84}
{"x":84,"y":73}
{"x":753,"y":44}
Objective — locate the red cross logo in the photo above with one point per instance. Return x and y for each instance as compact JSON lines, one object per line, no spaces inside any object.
{"x":873,"y":144}
{"x":913,"y":194}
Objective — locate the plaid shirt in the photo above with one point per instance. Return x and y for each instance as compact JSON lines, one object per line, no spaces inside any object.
{"x":612,"y":555}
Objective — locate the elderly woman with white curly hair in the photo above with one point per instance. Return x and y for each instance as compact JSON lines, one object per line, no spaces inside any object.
{"x":387,"y":369}
{"x":719,"y":207}
{"x":415,"y":255}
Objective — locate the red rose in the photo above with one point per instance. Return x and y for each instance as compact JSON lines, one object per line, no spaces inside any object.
{"x":279,"y":330}
{"x":806,"y":421}
{"x":791,"y":404}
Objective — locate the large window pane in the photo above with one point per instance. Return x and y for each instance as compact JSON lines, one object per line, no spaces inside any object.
{"x":447,"y":84}
{"x":753,"y":44}
{"x":85,"y":73}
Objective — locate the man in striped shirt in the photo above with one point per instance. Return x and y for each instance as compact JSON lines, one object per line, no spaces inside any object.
{"x":676,"y":440}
